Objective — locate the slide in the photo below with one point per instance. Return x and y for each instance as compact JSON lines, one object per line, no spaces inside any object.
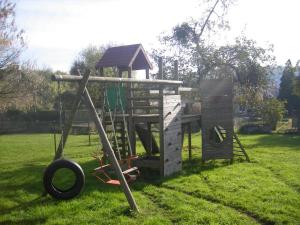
{"x":144,"y":135}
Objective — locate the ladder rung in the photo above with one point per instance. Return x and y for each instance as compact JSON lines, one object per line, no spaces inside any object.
{"x":238,"y":151}
{"x":144,"y":88}
{"x":145,"y":98}
{"x":130,"y":170}
{"x":101,"y":167}
{"x":144,"y":107}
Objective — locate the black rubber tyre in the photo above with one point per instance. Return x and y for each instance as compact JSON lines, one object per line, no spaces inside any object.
{"x":56,"y":192}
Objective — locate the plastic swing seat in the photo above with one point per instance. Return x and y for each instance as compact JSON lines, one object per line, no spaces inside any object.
{"x":113,"y":182}
{"x":129,"y":178}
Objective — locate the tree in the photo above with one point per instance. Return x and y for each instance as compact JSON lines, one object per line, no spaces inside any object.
{"x":11,"y":39}
{"x":46,"y":94}
{"x":87,"y":59}
{"x":271,"y":111}
{"x":297,"y":86}
{"x":190,"y":43}
{"x":16,"y":79}
{"x":286,"y":89}
{"x":296,"y":89}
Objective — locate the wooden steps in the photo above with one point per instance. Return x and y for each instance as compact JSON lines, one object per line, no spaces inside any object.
{"x":240,"y":148}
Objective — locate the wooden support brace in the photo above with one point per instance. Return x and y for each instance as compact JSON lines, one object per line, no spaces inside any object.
{"x":108,"y":149}
{"x":190,"y":140}
{"x":68,"y":123}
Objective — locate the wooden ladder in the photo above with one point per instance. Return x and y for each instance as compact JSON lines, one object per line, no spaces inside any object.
{"x":238,"y":148}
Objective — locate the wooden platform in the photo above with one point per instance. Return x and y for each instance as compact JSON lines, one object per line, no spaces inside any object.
{"x":154,"y":118}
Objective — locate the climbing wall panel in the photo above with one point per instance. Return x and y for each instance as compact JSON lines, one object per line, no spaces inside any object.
{"x":217,"y":119}
{"x":171,"y":160}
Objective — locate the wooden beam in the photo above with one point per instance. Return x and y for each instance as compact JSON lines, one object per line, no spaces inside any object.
{"x":73,"y":78}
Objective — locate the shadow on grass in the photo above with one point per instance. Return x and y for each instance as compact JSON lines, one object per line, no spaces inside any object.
{"x":27,"y":181}
{"x":24,"y":221}
{"x":190,"y":167}
{"x":20,"y":184}
{"x":276,"y":140}
{"x":24,"y":206}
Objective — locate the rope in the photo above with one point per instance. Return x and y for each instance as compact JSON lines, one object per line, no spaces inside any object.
{"x":124,"y":120}
{"x":61,"y":126}
{"x":113,"y":124}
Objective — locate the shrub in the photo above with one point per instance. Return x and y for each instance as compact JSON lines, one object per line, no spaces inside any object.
{"x":271,"y":111}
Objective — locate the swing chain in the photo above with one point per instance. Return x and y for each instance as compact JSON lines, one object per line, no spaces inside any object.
{"x":61,"y":125}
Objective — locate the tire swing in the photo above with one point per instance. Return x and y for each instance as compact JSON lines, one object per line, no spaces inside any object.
{"x":63,"y":193}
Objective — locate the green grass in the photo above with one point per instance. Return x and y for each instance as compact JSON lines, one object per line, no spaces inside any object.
{"x":265,"y":191}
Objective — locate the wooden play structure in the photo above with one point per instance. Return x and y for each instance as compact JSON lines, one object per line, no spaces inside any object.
{"x":149,"y":105}
{"x":152,"y":110}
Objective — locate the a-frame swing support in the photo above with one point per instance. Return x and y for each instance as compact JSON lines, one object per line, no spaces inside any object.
{"x":83,"y":93}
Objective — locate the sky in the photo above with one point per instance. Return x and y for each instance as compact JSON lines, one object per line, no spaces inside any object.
{"x":57,"y":30}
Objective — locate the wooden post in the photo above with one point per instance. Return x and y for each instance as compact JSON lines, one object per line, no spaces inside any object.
{"x":101,"y":72}
{"x":131,"y":129}
{"x":161,"y":117}
{"x":54,"y":136}
{"x":190,"y":140}
{"x":120,"y":72}
{"x":176,"y":76}
{"x":68,"y":123}
{"x":89,"y":132}
{"x":148,"y":111}
{"x":108,"y":149}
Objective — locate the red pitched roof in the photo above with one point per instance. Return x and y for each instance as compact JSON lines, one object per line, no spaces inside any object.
{"x":125,"y":56}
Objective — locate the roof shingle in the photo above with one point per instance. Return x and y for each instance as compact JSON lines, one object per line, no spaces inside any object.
{"x":125,"y":56}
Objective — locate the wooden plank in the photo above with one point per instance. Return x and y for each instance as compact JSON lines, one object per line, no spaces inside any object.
{"x":171,"y":111}
{"x":172,"y":167}
{"x":161,"y":118}
{"x":73,"y":78}
{"x":142,"y":107}
{"x":171,"y":122}
{"x":215,"y":87}
{"x":175,"y":128}
{"x":147,"y":163}
{"x":144,"y":98}
{"x":132,"y":169}
{"x":173,"y":151}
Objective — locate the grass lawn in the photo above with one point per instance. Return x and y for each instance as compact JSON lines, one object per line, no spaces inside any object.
{"x":265,"y":191}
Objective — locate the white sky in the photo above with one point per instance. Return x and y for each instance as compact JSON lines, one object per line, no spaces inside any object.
{"x":56,"y":30}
